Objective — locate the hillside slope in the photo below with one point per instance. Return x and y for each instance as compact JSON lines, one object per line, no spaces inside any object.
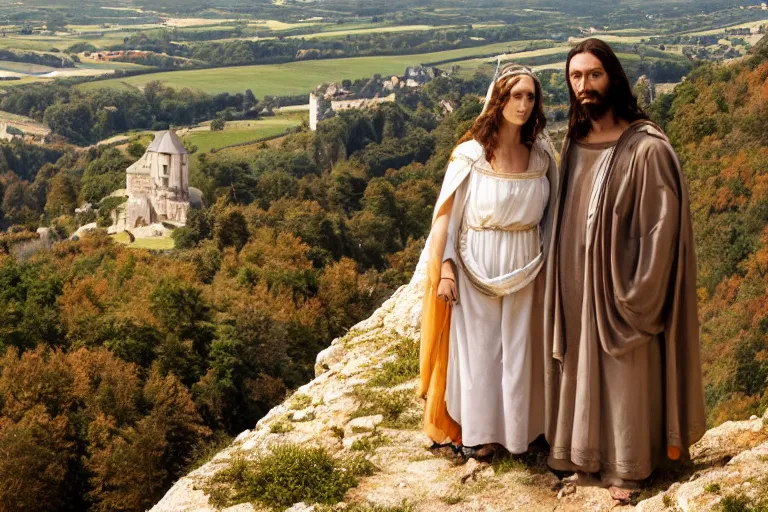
{"x":352,"y":381}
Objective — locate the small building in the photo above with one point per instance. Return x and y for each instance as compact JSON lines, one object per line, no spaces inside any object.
{"x":320,"y":108}
{"x":157,"y":185}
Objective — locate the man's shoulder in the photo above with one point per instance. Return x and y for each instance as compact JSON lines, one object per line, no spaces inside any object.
{"x":648,"y":138}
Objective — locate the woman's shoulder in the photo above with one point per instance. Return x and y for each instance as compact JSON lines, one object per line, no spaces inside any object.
{"x":469,"y":150}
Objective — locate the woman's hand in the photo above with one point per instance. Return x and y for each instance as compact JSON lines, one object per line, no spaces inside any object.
{"x":447,"y":289}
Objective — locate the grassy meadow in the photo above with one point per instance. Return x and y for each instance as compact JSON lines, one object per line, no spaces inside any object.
{"x":238,"y":132}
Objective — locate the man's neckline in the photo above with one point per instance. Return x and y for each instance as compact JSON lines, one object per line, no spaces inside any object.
{"x":596,"y":145}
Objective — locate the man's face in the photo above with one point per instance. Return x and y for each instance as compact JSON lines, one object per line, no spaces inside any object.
{"x":590,"y":83}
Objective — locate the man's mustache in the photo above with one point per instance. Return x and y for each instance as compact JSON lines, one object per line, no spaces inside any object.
{"x":589,"y":94}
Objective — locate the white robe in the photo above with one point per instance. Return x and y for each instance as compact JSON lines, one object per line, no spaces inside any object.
{"x":493,"y":389}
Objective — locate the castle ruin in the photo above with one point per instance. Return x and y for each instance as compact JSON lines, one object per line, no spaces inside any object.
{"x":157,"y":185}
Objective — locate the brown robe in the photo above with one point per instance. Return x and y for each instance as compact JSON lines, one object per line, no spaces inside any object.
{"x":624,"y":381}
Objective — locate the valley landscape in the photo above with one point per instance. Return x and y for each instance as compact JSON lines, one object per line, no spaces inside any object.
{"x":132,"y":357}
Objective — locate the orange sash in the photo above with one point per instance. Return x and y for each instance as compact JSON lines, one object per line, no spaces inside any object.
{"x":435,"y":330}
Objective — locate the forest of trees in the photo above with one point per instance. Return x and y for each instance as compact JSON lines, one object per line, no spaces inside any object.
{"x":85,"y":117}
{"x":718,"y":122}
{"x":120,"y":368}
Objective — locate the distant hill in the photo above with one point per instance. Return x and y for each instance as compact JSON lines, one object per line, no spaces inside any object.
{"x":719,"y":125}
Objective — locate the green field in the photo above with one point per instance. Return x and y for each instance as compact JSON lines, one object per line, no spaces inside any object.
{"x":161,"y":244}
{"x":300,"y":77}
{"x":158,"y":244}
{"x":237,"y":132}
{"x":373,"y":29}
{"x":468,"y":67}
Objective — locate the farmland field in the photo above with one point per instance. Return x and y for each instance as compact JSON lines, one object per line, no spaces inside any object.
{"x":556,"y":54}
{"x":237,"y":132}
{"x":301,"y":77}
{"x":373,"y":29}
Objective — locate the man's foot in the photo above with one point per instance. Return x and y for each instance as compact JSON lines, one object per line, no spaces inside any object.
{"x":579,"y":478}
{"x":620,"y":483}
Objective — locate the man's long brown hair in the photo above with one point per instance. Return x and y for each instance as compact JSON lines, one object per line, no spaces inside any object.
{"x":619,"y":94}
{"x":485,"y":129}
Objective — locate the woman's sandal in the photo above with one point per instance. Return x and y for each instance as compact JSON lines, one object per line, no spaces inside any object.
{"x":480,"y":452}
{"x":456,"y":449}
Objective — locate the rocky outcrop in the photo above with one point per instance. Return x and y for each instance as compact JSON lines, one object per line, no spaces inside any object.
{"x":345,"y":410}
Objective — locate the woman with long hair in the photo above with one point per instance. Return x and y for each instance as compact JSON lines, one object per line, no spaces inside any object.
{"x":482,"y":370}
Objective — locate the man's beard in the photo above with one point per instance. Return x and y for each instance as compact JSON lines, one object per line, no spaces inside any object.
{"x":597,"y":108}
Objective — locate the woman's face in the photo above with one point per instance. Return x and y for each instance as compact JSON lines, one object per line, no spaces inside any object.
{"x":521,"y":100}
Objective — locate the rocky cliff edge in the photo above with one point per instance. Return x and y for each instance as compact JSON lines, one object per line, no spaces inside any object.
{"x":358,"y":404}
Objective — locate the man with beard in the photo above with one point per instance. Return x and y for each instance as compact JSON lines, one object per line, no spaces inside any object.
{"x":624,"y":386}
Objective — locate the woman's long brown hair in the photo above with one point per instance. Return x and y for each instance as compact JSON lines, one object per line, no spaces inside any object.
{"x":485,"y":129}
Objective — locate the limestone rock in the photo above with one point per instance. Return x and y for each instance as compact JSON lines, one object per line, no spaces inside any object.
{"x":301,"y":507}
{"x":472,"y":469}
{"x":365,"y":424}
{"x":703,"y":493}
{"x":328,"y":357}
{"x":568,"y":489}
{"x":729,"y":439}
{"x":303,"y":415}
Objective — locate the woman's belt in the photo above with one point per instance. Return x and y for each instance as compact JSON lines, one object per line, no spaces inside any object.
{"x":511,"y":227}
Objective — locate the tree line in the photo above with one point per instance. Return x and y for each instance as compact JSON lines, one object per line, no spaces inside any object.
{"x":87,"y":116}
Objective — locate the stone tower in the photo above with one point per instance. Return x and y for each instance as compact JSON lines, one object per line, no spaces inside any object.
{"x":158,"y":183}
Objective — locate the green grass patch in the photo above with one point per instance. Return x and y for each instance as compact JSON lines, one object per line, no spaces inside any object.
{"x":280,"y":426}
{"x":238,"y":132}
{"x":289,"y":474}
{"x":397,"y":407}
{"x":370,"y":443}
{"x":116,"y":84}
{"x":713,"y":488}
{"x":23,"y":67}
{"x":300,"y":401}
{"x":337,"y":432}
{"x":155,"y":244}
{"x":372,"y":29}
{"x":743,"y":503}
{"x":403,"y":368}
{"x":452,"y":498}
{"x":123,"y":238}
{"x":529,"y":464}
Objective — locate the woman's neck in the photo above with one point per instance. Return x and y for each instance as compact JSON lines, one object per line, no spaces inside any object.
{"x":509,"y":134}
